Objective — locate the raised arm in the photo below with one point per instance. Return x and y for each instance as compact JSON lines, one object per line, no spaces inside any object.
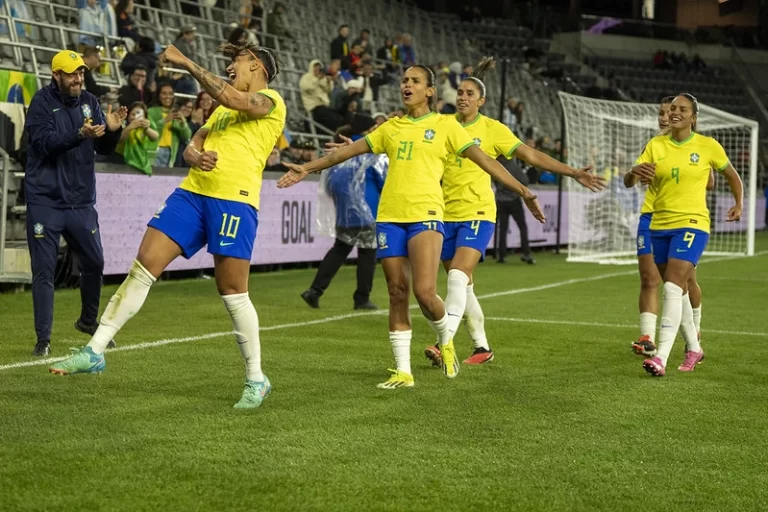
{"x":296,"y":173}
{"x":543,"y":161}
{"x":737,"y":189}
{"x":500,"y":174}
{"x":253,"y":103}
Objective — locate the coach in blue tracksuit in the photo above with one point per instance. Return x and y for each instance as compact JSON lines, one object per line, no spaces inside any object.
{"x":64,"y":126}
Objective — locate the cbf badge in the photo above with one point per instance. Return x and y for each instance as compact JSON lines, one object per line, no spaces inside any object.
{"x":159,"y":211}
{"x":382,"y":240}
{"x":86,"y":112}
{"x":38,"y":230}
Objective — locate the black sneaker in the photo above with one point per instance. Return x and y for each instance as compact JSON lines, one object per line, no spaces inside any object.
{"x":91,"y":330}
{"x":528,"y":259}
{"x":42,"y":349}
{"x":311,"y":298}
{"x":366,"y":305}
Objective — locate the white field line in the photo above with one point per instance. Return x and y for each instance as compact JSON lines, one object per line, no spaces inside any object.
{"x":171,"y":341}
{"x":619,"y":326}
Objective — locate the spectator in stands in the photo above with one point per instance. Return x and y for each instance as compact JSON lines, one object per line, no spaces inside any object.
{"x":276,"y":25}
{"x":406,"y":52}
{"x":137,"y":138}
{"x":355,"y":223}
{"x":380,"y":118}
{"x":364,"y":41}
{"x":137,"y":89}
{"x":251,"y":14}
{"x":293,"y":153}
{"x":171,"y":125}
{"x":520,"y":115}
{"x":143,"y":56}
{"x":509,"y":118}
{"x":274,"y":162}
{"x":353,"y":58}
{"x":371,"y":84}
{"x":340,"y":46}
{"x":111,"y":19}
{"x":186,"y":108}
{"x":388,"y":53}
{"x":64,"y":126}
{"x":508,"y":204}
{"x":308,"y":151}
{"x":125,"y":23}
{"x":92,"y":59}
{"x":186,"y":42}
{"x":240,"y":36}
{"x":315,"y":86}
{"x":204,"y":105}
{"x":93,"y":18}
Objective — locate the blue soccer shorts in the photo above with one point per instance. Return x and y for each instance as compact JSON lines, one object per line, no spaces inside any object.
{"x":681,"y":244}
{"x":475,"y":234}
{"x":392,"y":237}
{"x":193,"y":220}
{"x":644,"y":235}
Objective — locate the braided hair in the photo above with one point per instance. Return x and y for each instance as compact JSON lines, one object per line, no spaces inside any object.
{"x":267,"y":56}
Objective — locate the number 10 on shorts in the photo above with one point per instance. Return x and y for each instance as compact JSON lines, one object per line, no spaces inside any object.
{"x":229,"y":225}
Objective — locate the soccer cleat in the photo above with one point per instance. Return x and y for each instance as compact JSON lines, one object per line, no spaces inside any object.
{"x":254,"y":394}
{"x":42,"y":349}
{"x":450,"y":362}
{"x":91,"y":330}
{"x":527,"y":258}
{"x":433,"y":354}
{"x":479,"y":356}
{"x":644,"y":346}
{"x":81,"y":361}
{"x":311,"y":298}
{"x":398,"y":379}
{"x":654,"y":366}
{"x":691,"y":360}
{"x":366,"y":305}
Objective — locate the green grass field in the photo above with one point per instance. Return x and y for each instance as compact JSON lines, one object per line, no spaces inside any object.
{"x":564,"y":419}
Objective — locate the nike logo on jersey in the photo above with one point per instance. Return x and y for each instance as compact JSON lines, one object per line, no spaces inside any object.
{"x":224,"y":244}
{"x":56,"y":109}
{"x":451,"y":314}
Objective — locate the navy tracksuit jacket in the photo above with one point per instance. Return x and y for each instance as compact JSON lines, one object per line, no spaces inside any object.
{"x":60,"y":189}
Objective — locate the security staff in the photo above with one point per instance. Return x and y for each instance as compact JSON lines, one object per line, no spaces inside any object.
{"x":64,"y":126}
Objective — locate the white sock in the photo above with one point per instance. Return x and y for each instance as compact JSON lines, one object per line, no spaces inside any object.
{"x":245,"y":320}
{"x":401,"y":349}
{"x":475,"y":320}
{"x":456,"y":299}
{"x":688,"y":328}
{"x":697,"y":318}
{"x":648,"y":326}
{"x":125,"y":303}
{"x":434,"y":328}
{"x":441,"y":328}
{"x":671,"y":315}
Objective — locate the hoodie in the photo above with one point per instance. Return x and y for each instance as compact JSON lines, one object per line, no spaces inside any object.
{"x":60,"y":169}
{"x":315,"y":91}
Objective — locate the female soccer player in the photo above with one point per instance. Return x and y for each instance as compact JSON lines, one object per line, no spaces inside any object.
{"x":681,"y":161}
{"x":410,"y":217}
{"x":650,"y":280}
{"x":217,"y":204}
{"x":470,"y":208}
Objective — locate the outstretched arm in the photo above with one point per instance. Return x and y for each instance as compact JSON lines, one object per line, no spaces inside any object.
{"x":252,"y":103}
{"x":543,"y":161}
{"x":737,"y":189}
{"x":296,"y":173}
{"x":500,"y":174}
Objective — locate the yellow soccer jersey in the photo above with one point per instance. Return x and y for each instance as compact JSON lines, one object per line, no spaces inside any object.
{"x":466,"y":187}
{"x":243,"y":144}
{"x":417,"y":151}
{"x":682,"y":171}
{"x":648,"y":200}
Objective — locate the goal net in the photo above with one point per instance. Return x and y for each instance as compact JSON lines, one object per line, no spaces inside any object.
{"x":609,"y":136}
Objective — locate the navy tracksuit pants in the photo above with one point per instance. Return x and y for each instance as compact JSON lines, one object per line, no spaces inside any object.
{"x":80,"y":229}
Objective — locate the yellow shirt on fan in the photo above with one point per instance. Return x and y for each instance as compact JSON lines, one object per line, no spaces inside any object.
{"x":680,"y":185}
{"x":243,"y":143}
{"x":417,"y":149}
{"x":466,"y":187}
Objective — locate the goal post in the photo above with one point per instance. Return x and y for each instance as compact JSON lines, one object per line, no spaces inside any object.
{"x":610,"y":135}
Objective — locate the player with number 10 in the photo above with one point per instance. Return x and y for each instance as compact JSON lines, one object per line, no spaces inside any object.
{"x":410,"y":217}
